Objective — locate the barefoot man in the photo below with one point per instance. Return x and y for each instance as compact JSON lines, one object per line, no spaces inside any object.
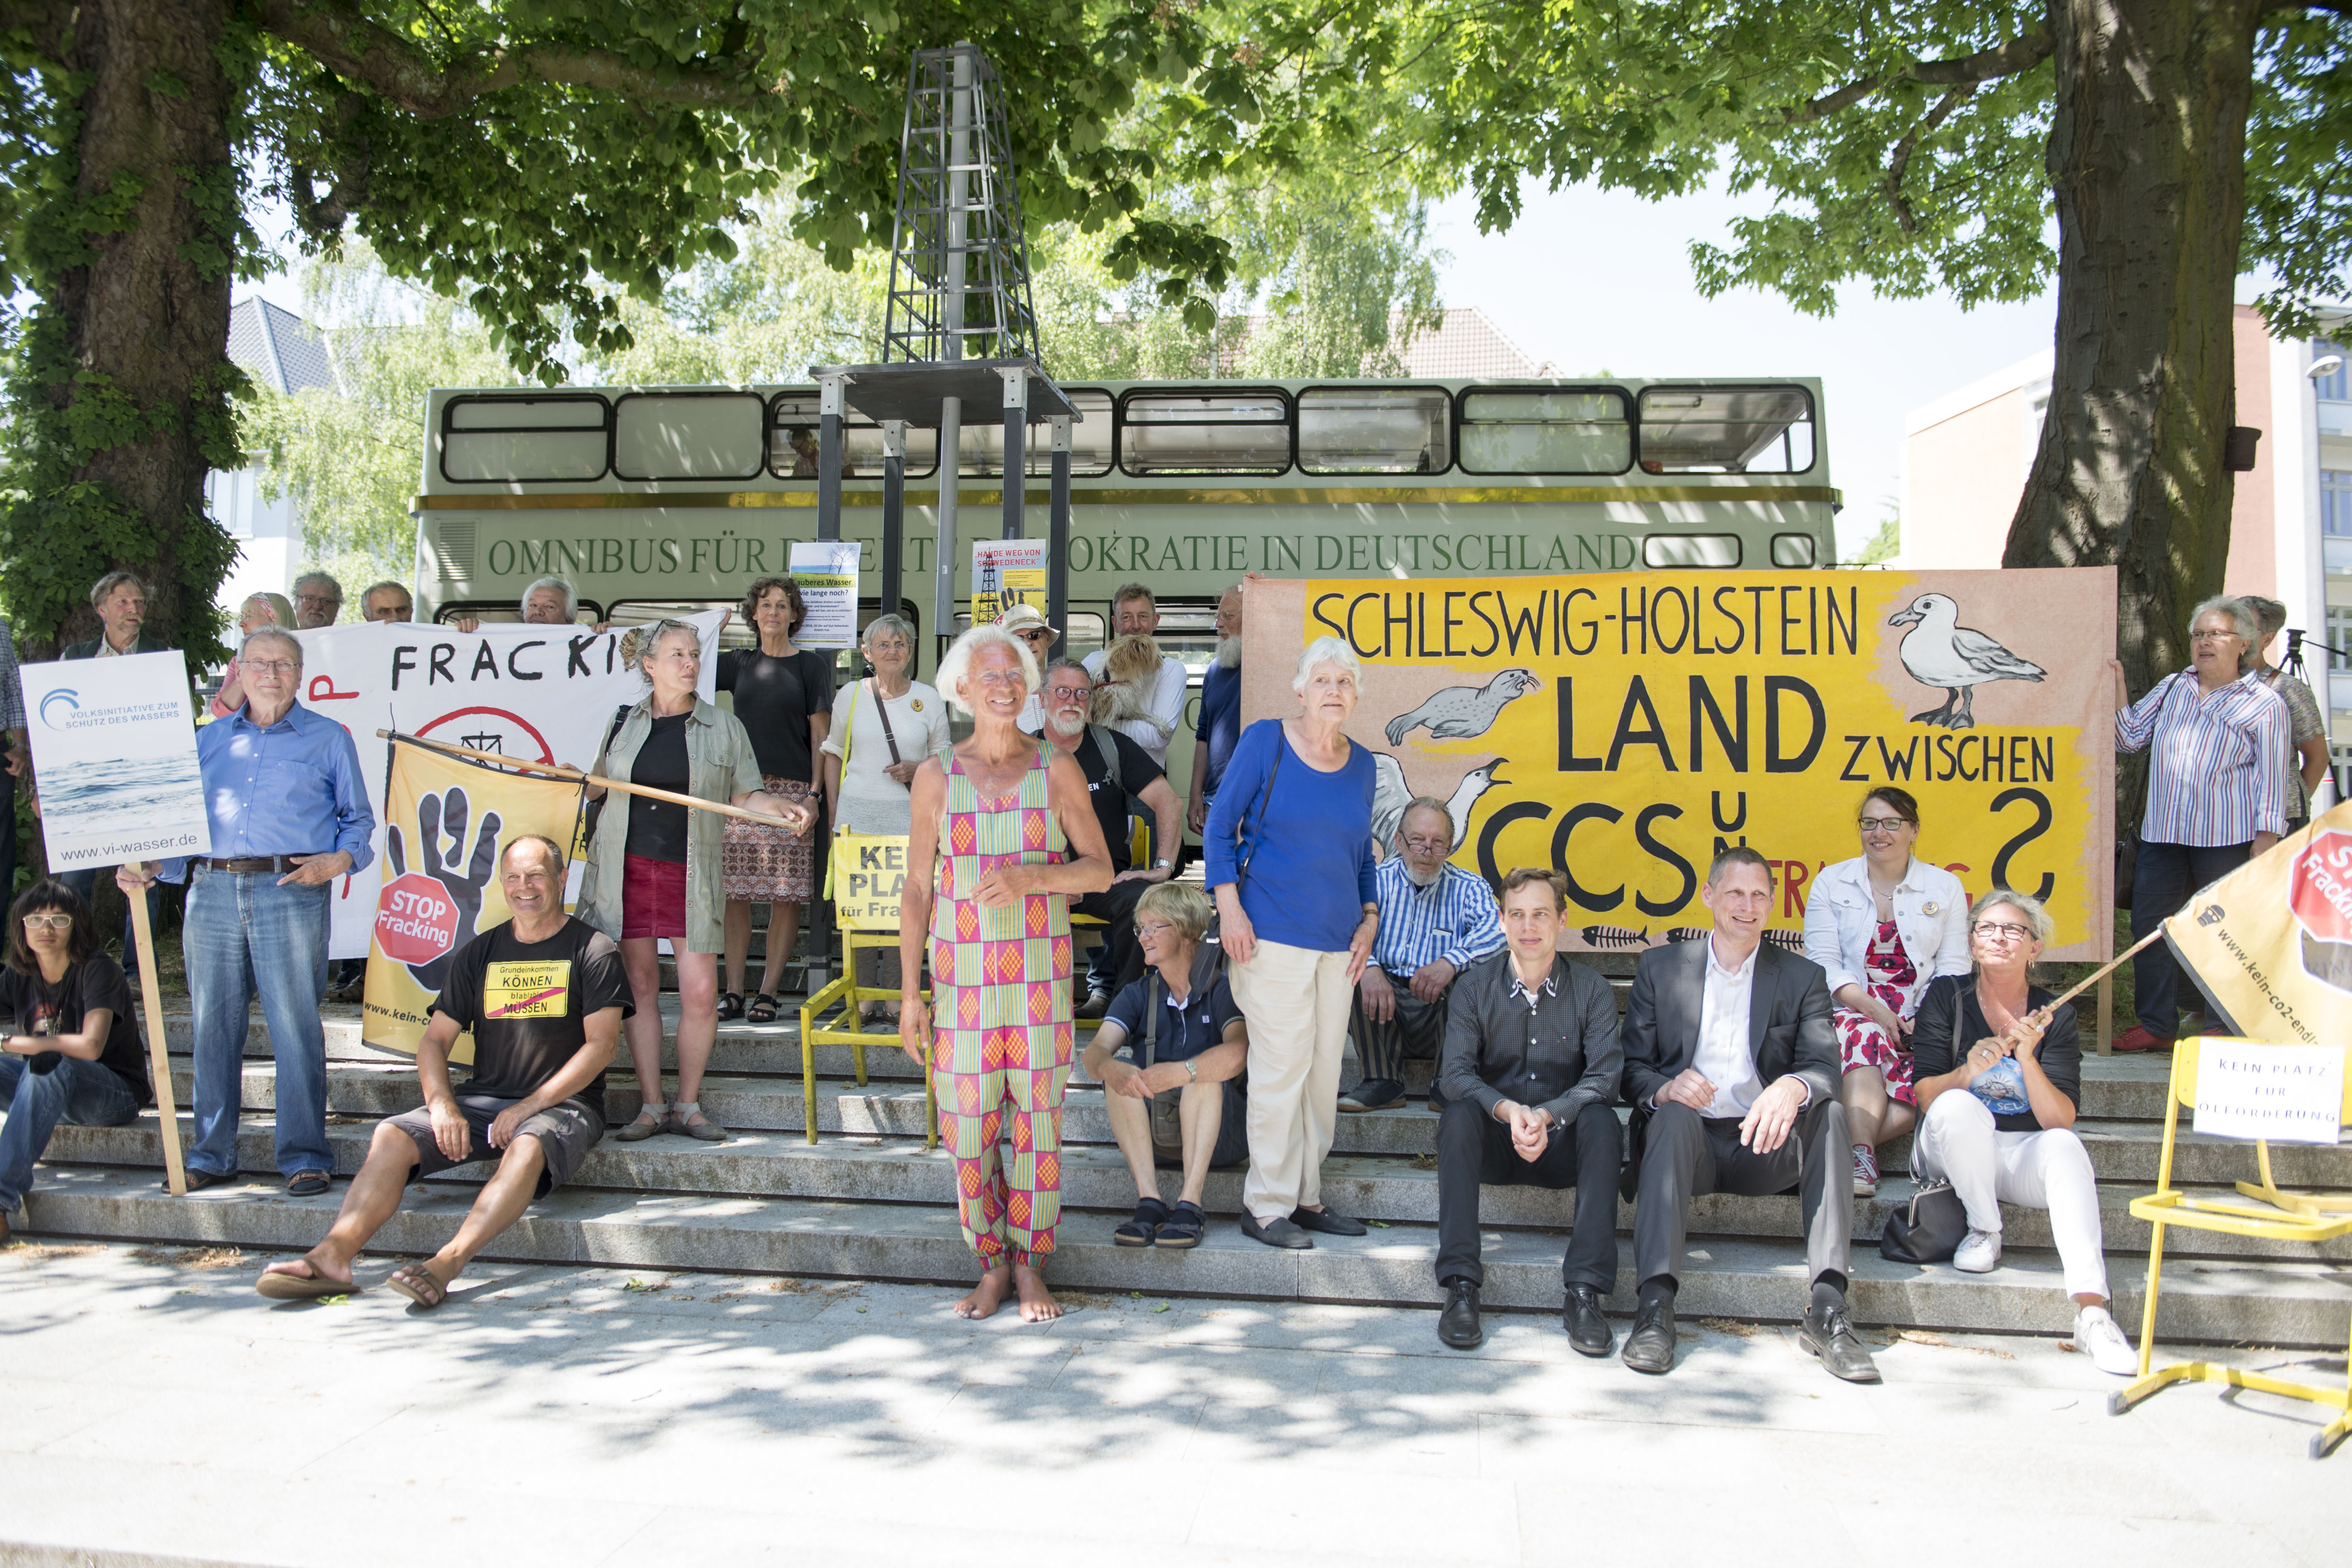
{"x":1004,"y":836}
{"x":545,"y":995}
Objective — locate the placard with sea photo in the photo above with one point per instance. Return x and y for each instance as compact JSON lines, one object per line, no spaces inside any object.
{"x":114,"y":756}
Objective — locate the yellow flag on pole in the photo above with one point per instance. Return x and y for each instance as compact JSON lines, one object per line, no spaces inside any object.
{"x":447,"y":822}
{"x":2271,"y":943}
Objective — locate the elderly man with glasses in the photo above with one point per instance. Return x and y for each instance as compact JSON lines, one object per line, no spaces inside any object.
{"x":317,"y":601}
{"x":1436,"y":920}
{"x":289,"y":813}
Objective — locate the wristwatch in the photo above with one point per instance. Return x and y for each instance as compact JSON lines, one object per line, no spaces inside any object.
{"x":1163,"y":865}
{"x":1191,"y":1073}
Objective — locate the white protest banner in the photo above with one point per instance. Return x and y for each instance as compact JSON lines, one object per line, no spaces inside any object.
{"x":114,"y":756}
{"x":1006,"y":573}
{"x":826,"y":570}
{"x":2288,"y":1094}
{"x":544,"y":694}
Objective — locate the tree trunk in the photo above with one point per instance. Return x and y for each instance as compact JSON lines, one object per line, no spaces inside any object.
{"x":146,"y":317}
{"x":2147,"y":159}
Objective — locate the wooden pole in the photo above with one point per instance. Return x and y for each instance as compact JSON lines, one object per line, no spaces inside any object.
{"x":574,"y":775}
{"x":2099,"y":976}
{"x":158,"y":1062}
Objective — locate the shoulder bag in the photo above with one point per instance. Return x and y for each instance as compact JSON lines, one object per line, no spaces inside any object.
{"x":1246,"y":849}
{"x":1931,"y":1227}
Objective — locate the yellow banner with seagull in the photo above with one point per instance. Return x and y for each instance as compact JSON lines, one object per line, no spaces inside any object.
{"x":1621,"y":727}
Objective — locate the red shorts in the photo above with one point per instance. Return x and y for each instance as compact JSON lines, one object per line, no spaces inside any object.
{"x":653,"y":898}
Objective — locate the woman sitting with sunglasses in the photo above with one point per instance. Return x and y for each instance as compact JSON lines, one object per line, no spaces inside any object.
{"x":2000,"y":1078}
{"x":71,"y":1052}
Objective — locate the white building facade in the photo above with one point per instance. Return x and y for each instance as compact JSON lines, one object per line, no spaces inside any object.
{"x":284,"y":352}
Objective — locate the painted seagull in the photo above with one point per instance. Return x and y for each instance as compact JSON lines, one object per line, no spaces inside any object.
{"x":1939,"y":651}
{"x":1465,"y":712}
{"x":1391,"y":794}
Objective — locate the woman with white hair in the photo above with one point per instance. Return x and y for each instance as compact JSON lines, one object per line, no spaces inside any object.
{"x":883,"y":727}
{"x":654,"y":867}
{"x":1999,"y":1073}
{"x":1289,"y":839}
{"x":1003,"y":835}
{"x":2218,"y":742}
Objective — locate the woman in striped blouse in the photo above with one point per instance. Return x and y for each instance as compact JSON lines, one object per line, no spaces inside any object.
{"x":2218,"y":740}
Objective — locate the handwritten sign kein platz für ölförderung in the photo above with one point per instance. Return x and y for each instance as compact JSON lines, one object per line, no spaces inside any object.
{"x":2288,"y":1094}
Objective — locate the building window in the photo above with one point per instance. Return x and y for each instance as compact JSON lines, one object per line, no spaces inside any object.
{"x":2337,"y":384}
{"x":2339,"y":635}
{"x":2336,"y":502}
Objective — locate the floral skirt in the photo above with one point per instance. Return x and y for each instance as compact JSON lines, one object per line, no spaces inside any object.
{"x":761,"y":865}
{"x":1863,"y":1044}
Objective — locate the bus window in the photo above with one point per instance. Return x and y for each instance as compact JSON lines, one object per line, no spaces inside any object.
{"x":1717,"y":552}
{"x":688,"y":435}
{"x":1565,"y":432}
{"x":1245,"y":432}
{"x":1364,"y":430}
{"x":485,"y":440}
{"x":1792,"y":550}
{"x":507,"y":613}
{"x":1727,"y":430}
{"x":792,"y":434}
{"x":984,"y":444}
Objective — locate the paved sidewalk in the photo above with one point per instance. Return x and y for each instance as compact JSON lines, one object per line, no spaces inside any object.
{"x":158,"y":1411}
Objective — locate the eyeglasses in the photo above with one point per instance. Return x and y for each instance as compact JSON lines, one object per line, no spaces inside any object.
{"x":995,"y":678}
{"x":48,"y":923}
{"x":1034,"y":636}
{"x":320,"y":599}
{"x":1158,"y":928}
{"x":1429,"y":844}
{"x":1883,"y":824}
{"x":267,"y":667}
{"x":2001,"y":931}
{"x":1070,"y":693}
{"x":2210,"y":636}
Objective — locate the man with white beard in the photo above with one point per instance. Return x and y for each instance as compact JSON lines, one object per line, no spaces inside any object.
{"x":1117,"y":770}
{"x":1221,"y":710}
{"x":1436,"y":920}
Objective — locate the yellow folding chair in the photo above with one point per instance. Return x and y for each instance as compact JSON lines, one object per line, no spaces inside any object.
{"x":2282,"y":1216}
{"x":847,"y":1028}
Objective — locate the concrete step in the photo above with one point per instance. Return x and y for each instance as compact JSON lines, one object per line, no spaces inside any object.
{"x":1093,"y":1177}
{"x":2288,"y":1305}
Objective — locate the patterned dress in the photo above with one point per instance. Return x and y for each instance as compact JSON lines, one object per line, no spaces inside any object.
{"x":1888,"y":975}
{"x":1001,"y":1015}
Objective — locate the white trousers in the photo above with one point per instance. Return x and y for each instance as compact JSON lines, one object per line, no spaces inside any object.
{"x":2046,"y":1170}
{"x":1295,"y":1000}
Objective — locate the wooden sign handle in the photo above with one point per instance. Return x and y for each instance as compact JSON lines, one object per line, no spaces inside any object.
{"x":159,"y":1061}
{"x":574,"y":775}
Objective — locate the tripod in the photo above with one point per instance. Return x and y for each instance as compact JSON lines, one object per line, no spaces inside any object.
{"x":2339,"y":767}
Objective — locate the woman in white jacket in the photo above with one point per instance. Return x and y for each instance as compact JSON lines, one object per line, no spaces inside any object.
{"x":1882,"y":926}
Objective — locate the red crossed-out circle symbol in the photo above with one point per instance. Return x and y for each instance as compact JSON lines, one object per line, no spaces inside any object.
{"x":2320,"y":891}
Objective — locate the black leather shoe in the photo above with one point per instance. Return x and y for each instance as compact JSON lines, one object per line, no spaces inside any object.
{"x":1374,"y":1094}
{"x":1275,"y":1232}
{"x":1830,"y":1336}
{"x":1587,"y":1328}
{"x":1457,"y":1325}
{"x":1650,"y":1346}
{"x":1326,"y":1221}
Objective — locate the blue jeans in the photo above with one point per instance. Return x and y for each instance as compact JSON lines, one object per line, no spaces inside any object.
{"x":2163,"y":877}
{"x":84,"y":883}
{"x":245,"y":936}
{"x":76,"y":1091}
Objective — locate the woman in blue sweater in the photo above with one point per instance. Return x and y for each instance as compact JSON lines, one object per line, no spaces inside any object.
{"x":1289,"y":841}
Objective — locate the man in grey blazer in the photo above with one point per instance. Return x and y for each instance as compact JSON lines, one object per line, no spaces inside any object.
{"x":1731,"y":1066}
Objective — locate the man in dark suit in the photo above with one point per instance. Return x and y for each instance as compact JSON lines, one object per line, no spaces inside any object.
{"x":1731,"y":1066}
{"x":121,"y":600}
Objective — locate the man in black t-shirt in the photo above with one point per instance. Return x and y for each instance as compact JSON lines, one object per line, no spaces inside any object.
{"x":544,"y":995}
{"x":1069,"y":690}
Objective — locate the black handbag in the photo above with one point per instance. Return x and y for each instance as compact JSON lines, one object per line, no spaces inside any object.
{"x":1931,"y":1227}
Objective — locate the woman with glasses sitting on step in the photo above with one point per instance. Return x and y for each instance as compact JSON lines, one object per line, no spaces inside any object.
{"x":653,"y":865}
{"x":71,"y":1051}
{"x":1882,"y":926}
{"x":1999,"y":1073}
{"x":1004,"y":836}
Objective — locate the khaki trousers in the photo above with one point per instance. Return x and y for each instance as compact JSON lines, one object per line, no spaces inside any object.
{"x":1297,"y":1001}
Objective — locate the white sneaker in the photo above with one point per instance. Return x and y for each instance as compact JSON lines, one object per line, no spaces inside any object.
{"x":2098,"y":1336}
{"x":1979,"y":1252}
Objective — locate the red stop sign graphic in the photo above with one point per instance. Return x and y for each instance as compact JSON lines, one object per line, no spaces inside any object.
{"x":414,"y":921}
{"x":2320,"y":890}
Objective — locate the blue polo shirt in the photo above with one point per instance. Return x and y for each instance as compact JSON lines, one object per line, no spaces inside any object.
{"x":1185,"y":1031}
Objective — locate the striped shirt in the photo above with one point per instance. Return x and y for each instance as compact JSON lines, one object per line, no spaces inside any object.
{"x":2215,"y":763}
{"x":1454,"y":919}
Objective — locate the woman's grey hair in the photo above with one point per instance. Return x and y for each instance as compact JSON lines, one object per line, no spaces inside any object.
{"x":270,"y":634}
{"x":2269,"y":617}
{"x":2037,"y":918}
{"x":956,"y":667}
{"x":1327,"y":650}
{"x":570,"y":599}
{"x":2241,"y":617}
{"x":639,"y":643}
{"x":888,"y":625}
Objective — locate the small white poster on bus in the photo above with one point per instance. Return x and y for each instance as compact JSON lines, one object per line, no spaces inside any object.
{"x":826,"y":572}
{"x":1006,"y":573}
{"x":114,"y":759}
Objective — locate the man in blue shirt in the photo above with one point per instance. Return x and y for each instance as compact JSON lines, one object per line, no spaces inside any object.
{"x":289,"y":814}
{"x":1221,"y":710}
{"x":1436,"y":920}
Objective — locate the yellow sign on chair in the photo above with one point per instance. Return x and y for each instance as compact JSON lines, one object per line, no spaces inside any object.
{"x":869,"y":872}
{"x":2280,"y":1216}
